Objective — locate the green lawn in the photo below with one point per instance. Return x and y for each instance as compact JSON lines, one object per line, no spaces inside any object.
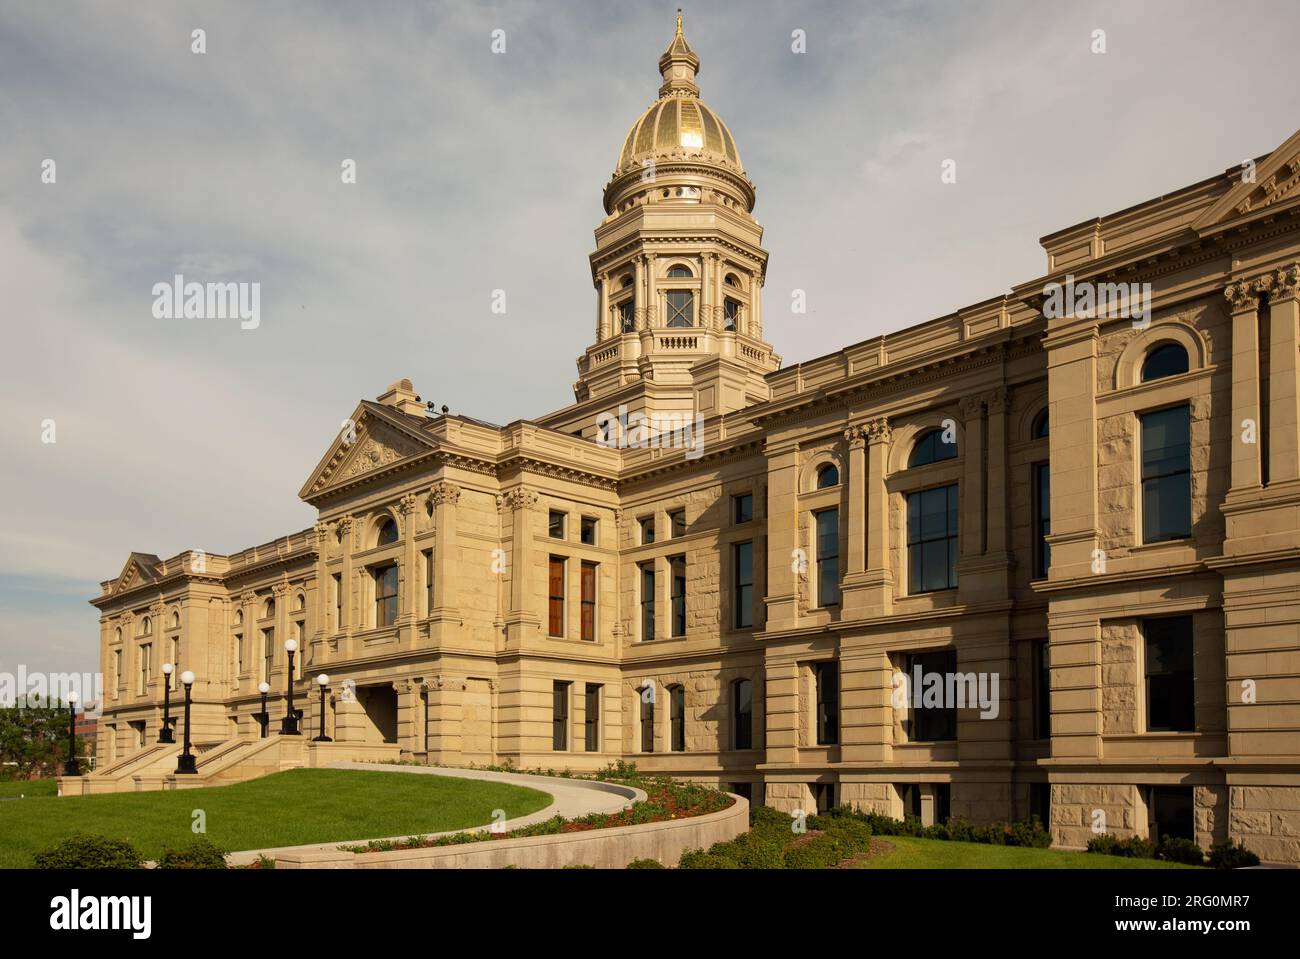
{"x":285,"y":809}
{"x":28,"y":788}
{"x":912,"y":853}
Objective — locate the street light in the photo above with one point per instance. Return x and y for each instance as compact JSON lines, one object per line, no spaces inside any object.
{"x":185,"y":762}
{"x":289,"y":727}
{"x":165,"y":734}
{"x":323,"y":681}
{"x":72,"y":767}
{"x":264,"y":688}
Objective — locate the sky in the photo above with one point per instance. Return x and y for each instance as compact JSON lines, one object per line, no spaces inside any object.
{"x":479,"y":171}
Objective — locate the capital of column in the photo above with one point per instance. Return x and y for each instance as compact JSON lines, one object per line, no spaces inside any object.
{"x":444,"y":492}
{"x":1241,"y":296}
{"x":1286,"y":282}
{"x":998,"y":400}
{"x":408,"y":504}
{"x":971,"y":406}
{"x":322,"y":533}
{"x":516,"y":500}
{"x":856,"y":436}
{"x":879,"y":430}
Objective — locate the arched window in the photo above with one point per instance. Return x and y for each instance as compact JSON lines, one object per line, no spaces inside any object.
{"x":300,"y":601}
{"x":732,"y":280}
{"x":828,"y":476}
{"x":176,"y":619}
{"x":269,"y":609}
{"x":117,"y":635}
{"x":931,"y":448}
{"x":146,"y":626}
{"x":1167,"y":359}
{"x":626,"y":281}
{"x":387,"y":533}
{"x":1039,"y":431}
{"x":679,"y":272}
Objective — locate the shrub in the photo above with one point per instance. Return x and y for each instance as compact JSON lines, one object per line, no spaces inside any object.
{"x":754,"y":850}
{"x":89,"y":852}
{"x":645,"y":864}
{"x":1134,"y":847}
{"x":1030,"y":832}
{"x":1175,"y":849}
{"x":196,"y":854}
{"x":1103,"y":844}
{"x":1224,"y":855}
{"x":819,"y":852}
{"x":699,"y":859}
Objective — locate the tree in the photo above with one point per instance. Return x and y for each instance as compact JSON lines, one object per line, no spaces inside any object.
{"x":33,"y":738}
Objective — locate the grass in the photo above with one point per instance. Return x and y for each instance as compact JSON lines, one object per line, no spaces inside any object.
{"x":284,"y":809}
{"x":912,"y":853}
{"x":28,"y":788}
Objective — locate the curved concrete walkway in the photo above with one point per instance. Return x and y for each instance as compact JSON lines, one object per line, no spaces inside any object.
{"x":569,"y":798}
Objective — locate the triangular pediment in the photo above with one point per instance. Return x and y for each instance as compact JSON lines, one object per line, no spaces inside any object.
{"x":140,"y":569}
{"x":379,"y":440}
{"x":1276,"y":180}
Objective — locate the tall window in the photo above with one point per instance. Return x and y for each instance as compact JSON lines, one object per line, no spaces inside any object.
{"x":338,"y":600}
{"x":387,"y":533}
{"x":931,"y":448}
{"x":268,"y":653}
{"x":385,"y":594}
{"x":929,"y":723}
{"x":932,"y":539}
{"x":559,"y":716}
{"x":826,"y":677}
{"x":1042,"y":692}
{"x":742,"y":591}
{"x":587,"y":531}
{"x":555,"y":603}
{"x":677,"y":523}
{"x":1166,"y":475}
{"x":589,"y":602}
{"x":1168,"y":359}
{"x":677,"y":718}
{"x":648,"y":601}
{"x":555,"y":524}
{"x":647,"y":719}
{"x":828,"y":556}
{"x":742,"y":508}
{"x":117,"y":665}
{"x":146,"y":666}
{"x":681,"y":308}
{"x":742,"y":714}
{"x":1170,"y":679}
{"x":428,"y":581}
{"x":730,"y":314}
{"x":591,"y":717}
{"x":626,"y":317}
{"x":1042,"y":519}
{"x":677,"y":570}
{"x":647,"y":530}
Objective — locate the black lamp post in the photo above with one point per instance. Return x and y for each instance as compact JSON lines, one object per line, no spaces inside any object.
{"x":323,"y":681}
{"x":72,"y":767}
{"x":185,"y":762}
{"x":165,"y":734}
{"x":265,"y":718}
{"x":289,"y":727}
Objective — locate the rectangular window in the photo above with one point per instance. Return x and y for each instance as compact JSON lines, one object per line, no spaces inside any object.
{"x":117,"y":664}
{"x":681,"y":308}
{"x":1166,"y":475}
{"x":730,"y":313}
{"x":647,"y":530}
{"x":587,"y":531}
{"x":930,"y":723}
{"x":647,"y":719}
{"x":559,"y":716}
{"x":555,"y":597}
{"x":338,"y":600}
{"x":742,"y":570}
{"x":828,"y":557}
{"x":932,"y":539}
{"x":556,"y":525}
{"x":591,"y":717}
{"x":677,"y":570}
{"x":385,"y":595}
{"x":428,"y":582}
{"x":1169,"y":813}
{"x":677,"y":719}
{"x":589,"y":602}
{"x":647,"y":601}
{"x":742,"y":508}
{"x":1170,"y":686}
{"x":146,"y":666}
{"x":677,"y":523}
{"x":823,"y":796}
{"x":268,"y":653}
{"x":1042,"y":519}
{"x":626,"y":317}
{"x":742,"y":714}
{"x":1040,"y":801}
{"x":1042,"y":693}
{"x":827,"y":679}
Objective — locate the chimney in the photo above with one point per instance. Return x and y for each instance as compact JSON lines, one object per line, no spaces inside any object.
{"x":401,"y":397}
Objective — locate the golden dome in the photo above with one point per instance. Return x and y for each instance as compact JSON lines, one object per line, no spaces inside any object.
{"x":679,"y":125}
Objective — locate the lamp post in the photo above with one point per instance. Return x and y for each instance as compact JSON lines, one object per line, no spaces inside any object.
{"x":185,"y":762}
{"x":72,"y":767}
{"x":289,"y":727}
{"x":264,"y":688}
{"x":165,"y":734}
{"x":323,"y":681}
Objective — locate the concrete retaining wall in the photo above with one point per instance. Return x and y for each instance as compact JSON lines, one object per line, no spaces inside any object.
{"x":602,"y":848}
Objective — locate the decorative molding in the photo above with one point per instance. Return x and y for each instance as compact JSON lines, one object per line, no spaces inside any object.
{"x":971,"y":406}
{"x":408,"y":504}
{"x":444,"y":492}
{"x":856,"y":437}
{"x":998,"y":400}
{"x":516,"y":499}
{"x":879,"y":430}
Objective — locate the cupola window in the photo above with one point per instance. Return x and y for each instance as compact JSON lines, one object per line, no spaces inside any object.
{"x":681,"y":308}
{"x":730,"y":314}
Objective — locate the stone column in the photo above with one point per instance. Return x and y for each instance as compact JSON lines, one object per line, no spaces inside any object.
{"x":323,"y":587}
{"x":781,"y":736}
{"x":971,"y":519}
{"x":347,"y":587}
{"x":602,"y":307}
{"x":1072,"y":376}
{"x":1244,"y":304}
{"x":855,"y":515}
{"x":866,"y":707}
{"x":408,"y":580}
{"x":869,"y":584}
{"x":1283,"y":378}
{"x":444,"y":496}
{"x":783,"y":537}
{"x":708,"y":267}
{"x":755,"y":325}
{"x":638,"y":295}
{"x":519,"y":503}
{"x":651,"y":293}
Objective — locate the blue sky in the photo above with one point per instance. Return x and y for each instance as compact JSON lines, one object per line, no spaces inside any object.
{"x":481,"y":171}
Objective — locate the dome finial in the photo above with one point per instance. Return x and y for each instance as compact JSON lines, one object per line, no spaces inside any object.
{"x":678,"y":65}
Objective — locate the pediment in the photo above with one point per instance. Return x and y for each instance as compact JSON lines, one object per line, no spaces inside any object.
{"x":378,"y":443}
{"x":1276,"y":180}
{"x":139,"y":570}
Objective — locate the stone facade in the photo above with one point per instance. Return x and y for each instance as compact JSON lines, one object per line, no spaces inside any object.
{"x":524,"y":560}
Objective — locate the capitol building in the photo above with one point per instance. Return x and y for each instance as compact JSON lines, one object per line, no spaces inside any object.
{"x":1010,"y":561}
